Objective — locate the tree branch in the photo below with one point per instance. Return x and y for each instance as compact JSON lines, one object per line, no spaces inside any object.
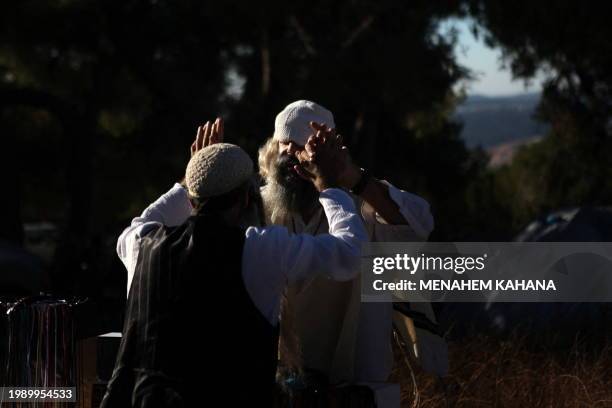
{"x":365,"y":24}
{"x":306,"y":40}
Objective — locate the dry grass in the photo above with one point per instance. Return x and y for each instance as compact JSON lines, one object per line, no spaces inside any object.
{"x":486,"y":372}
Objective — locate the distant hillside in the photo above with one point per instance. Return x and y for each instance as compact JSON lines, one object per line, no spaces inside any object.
{"x":491,"y":121}
{"x":503,"y":154}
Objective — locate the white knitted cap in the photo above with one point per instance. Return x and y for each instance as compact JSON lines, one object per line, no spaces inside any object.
{"x":217,"y":169}
{"x":293,"y":123}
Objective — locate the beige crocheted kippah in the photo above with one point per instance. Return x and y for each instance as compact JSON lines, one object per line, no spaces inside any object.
{"x":217,"y":169}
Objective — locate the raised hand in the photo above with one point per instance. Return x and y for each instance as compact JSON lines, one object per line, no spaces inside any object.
{"x":348,"y":172}
{"x":321,"y":161}
{"x":208,"y":134}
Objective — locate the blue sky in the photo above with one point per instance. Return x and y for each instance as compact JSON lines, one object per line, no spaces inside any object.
{"x":492,"y":79}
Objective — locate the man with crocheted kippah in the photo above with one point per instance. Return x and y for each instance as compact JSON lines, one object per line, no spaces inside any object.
{"x":193,"y":263}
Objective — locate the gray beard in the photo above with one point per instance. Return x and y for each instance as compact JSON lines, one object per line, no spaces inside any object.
{"x":287,"y":194}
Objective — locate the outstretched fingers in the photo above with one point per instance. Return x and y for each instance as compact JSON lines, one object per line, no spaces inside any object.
{"x":208,"y":134}
{"x":199,"y":139}
{"x":219,"y":131}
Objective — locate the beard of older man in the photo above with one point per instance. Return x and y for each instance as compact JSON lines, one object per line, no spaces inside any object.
{"x":290,"y":193}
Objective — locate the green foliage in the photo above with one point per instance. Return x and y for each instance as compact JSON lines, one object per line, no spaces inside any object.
{"x":129,"y":81}
{"x":570,"y":43}
{"x":124,"y":84}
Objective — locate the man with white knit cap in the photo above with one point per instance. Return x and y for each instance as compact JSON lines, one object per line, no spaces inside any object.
{"x":193,"y":265}
{"x":327,"y":327}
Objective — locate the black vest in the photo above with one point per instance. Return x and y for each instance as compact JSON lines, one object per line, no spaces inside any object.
{"x":192,"y":334}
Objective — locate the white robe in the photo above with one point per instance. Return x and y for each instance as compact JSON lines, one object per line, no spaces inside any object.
{"x":346,"y":339}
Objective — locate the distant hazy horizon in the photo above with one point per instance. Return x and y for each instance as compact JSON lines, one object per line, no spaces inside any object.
{"x":492,"y":79}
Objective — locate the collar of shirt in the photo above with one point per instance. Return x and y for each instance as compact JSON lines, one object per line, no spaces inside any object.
{"x":316,"y":224}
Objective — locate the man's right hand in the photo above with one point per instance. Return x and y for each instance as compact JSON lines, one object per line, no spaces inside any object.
{"x":321,"y":160}
{"x":208,"y":134}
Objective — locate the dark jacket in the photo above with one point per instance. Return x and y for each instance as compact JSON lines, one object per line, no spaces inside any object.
{"x":192,"y":333}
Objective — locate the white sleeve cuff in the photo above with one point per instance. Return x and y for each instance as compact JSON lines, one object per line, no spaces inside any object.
{"x":414,"y":209}
{"x":171,"y":209}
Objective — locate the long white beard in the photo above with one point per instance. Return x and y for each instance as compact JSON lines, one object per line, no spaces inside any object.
{"x":284,"y":199}
{"x":279,"y":203}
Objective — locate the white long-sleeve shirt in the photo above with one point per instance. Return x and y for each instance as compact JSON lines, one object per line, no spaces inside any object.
{"x":341,"y":336}
{"x":272,"y":257}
